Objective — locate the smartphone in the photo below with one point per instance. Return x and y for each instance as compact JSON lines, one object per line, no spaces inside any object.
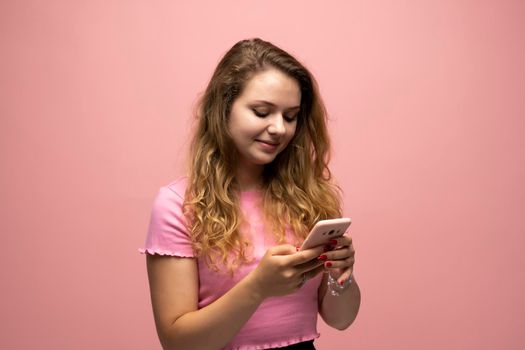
{"x":324,"y":231}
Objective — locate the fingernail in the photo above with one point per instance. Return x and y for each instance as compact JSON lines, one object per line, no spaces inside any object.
{"x":342,"y":282}
{"x":333,"y":241}
{"x":322,"y":257}
{"x":297,"y":248}
{"x":328,"y":264}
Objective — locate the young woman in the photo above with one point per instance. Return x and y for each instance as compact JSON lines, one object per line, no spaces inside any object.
{"x":223,"y":267}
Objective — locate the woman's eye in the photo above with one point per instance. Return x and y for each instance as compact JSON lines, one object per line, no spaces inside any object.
{"x":259,"y":114}
{"x":263,"y":114}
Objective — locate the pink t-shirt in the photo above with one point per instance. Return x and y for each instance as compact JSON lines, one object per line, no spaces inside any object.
{"x":279,"y":321}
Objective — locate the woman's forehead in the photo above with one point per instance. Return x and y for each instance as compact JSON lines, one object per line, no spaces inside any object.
{"x":273,"y":87}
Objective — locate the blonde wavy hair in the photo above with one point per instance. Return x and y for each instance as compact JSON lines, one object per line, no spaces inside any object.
{"x":298,"y":189}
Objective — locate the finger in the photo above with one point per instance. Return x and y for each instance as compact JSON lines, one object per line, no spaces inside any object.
{"x":304,"y":255}
{"x":308,"y":267}
{"x":301,"y":280}
{"x":345,"y":276}
{"x":338,"y":254}
{"x":283,"y":249}
{"x":334,"y":264}
{"x":312,"y":273}
{"x":344,"y":240}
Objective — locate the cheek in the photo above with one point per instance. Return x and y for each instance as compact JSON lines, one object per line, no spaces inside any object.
{"x":291,"y":131}
{"x":244,"y":126}
{"x":289,"y":135}
{"x":236,"y":129}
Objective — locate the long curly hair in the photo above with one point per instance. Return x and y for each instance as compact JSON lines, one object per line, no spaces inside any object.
{"x":298,"y":189}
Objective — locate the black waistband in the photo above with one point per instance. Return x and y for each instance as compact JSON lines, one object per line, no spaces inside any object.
{"x":305,"y":345}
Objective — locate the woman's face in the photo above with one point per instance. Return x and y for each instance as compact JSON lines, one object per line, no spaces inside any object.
{"x":263,"y":118}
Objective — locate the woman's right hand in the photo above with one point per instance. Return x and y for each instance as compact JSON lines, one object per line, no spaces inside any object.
{"x":280,"y":271}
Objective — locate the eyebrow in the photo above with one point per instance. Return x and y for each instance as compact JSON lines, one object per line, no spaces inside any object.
{"x":273,"y":105}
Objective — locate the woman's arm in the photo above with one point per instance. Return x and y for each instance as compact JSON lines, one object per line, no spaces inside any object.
{"x":180,"y":325}
{"x":174,"y":295}
{"x":340,"y":311}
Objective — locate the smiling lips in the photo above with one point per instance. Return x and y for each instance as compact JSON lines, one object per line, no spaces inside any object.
{"x":269,"y":143}
{"x":269,"y":146}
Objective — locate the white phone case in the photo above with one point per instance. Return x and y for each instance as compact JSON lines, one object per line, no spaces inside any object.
{"x":324,"y":231}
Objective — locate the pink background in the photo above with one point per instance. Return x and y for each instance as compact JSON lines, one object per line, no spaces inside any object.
{"x":426,"y":100}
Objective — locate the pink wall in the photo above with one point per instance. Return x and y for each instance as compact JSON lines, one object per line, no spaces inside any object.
{"x":427,"y":116}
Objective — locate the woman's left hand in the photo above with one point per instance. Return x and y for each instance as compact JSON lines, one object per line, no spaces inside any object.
{"x":340,"y":259}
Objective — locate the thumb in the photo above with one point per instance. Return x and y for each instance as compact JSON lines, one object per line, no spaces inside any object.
{"x":283,"y":249}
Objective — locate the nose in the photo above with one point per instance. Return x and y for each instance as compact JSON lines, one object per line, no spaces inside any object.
{"x":276,"y":126}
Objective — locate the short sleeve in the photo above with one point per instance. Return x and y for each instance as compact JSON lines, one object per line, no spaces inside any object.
{"x":167,"y":232}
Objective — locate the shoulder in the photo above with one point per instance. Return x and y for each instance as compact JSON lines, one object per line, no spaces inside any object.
{"x":175,"y":188}
{"x":170,"y":198}
{"x":167,"y":232}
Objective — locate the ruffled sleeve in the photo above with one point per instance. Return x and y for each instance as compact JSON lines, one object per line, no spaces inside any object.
{"x":167,"y":233}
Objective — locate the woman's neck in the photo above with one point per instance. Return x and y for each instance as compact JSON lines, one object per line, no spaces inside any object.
{"x":249,"y":177}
